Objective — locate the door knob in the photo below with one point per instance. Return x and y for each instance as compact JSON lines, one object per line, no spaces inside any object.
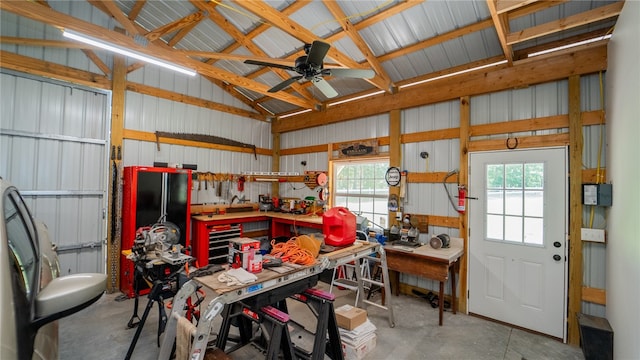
{"x":557,"y":244}
{"x":557,"y":257}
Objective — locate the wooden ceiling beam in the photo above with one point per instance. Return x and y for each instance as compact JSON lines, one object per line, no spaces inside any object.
{"x":119,"y":15}
{"x":175,"y":26}
{"x":453,"y":34}
{"x":501,"y":23}
{"x":241,"y":39}
{"x":284,"y":23}
{"x":353,"y":34}
{"x":136,"y":9}
{"x":502,"y":6}
{"x":584,"y":18}
{"x":534,"y":8}
{"x":586,"y":59}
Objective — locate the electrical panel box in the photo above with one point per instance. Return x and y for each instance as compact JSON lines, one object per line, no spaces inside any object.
{"x":597,"y":194}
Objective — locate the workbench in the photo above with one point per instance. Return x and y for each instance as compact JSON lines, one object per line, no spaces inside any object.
{"x":427,"y":262}
{"x":204,"y":227}
{"x":268,"y":280}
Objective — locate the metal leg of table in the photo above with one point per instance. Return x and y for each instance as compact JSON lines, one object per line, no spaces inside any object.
{"x":441,"y":303}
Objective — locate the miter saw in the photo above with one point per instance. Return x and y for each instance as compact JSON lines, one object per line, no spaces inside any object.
{"x":158,"y":242}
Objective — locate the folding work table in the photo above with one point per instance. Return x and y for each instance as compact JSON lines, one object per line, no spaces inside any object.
{"x":268,"y":280}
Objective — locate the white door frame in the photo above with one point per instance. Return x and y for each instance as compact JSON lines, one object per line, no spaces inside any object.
{"x":474,"y":232}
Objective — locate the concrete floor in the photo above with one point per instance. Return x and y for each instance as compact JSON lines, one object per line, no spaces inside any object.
{"x":100,"y":332}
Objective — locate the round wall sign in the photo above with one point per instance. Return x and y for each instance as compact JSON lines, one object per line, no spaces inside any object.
{"x":393,"y":176}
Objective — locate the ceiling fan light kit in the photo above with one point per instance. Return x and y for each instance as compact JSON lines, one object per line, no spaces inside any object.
{"x":310,"y":67}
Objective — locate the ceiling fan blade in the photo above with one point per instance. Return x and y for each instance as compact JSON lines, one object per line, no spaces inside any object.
{"x":263,"y":63}
{"x":324,"y":87}
{"x":317,"y":52}
{"x":284,"y":84}
{"x":351,"y":73}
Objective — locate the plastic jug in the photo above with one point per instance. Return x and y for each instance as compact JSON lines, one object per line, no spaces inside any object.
{"x":339,"y":226}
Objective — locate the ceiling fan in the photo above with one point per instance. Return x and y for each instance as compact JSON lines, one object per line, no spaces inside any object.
{"x":310,"y":67}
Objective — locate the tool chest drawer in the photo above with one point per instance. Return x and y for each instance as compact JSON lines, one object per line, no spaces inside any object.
{"x":211,"y":242}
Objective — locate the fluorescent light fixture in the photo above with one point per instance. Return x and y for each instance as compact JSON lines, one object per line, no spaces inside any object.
{"x":295,"y":113}
{"x":583,"y":42}
{"x":355,"y":98}
{"x":122,"y":51}
{"x":454,"y":74}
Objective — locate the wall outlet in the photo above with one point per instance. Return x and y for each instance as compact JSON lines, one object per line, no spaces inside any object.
{"x":596,"y":235}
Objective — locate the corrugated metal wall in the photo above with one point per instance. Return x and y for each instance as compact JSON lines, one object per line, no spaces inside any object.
{"x":150,"y":114}
{"x":53,"y":141}
{"x":60,"y":160}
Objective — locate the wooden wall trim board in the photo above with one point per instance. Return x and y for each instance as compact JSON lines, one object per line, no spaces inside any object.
{"x":50,"y":70}
{"x":523,"y":142}
{"x":593,"y":295}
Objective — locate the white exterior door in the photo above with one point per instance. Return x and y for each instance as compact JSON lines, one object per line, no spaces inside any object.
{"x":517,"y":240}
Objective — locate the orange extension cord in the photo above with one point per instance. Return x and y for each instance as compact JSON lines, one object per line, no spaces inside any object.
{"x":290,"y":251}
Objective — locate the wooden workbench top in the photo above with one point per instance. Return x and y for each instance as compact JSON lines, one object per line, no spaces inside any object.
{"x":266,"y":214}
{"x":452,"y":253}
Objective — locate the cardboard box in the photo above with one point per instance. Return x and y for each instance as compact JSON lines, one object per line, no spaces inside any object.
{"x":244,"y":244}
{"x":349,"y":317}
{"x":357,"y":352}
{"x":245,"y":253}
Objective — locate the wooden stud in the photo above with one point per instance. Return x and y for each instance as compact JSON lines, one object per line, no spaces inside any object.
{"x":463,"y":178}
{"x":395,"y":154}
{"x":575,"y":211}
{"x":115,"y":173}
{"x":275,"y":164}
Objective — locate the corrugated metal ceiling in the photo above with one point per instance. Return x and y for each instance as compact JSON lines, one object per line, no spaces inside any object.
{"x":401,"y":40}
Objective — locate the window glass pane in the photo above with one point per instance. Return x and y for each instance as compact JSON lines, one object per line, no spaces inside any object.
{"x":533,"y":203}
{"x":361,"y":187}
{"x":533,"y":231}
{"x":513,"y":203}
{"x":513,"y":228}
{"x":513,"y":178}
{"x":381,"y":187}
{"x":534,"y":176}
{"x":381,"y":211}
{"x":495,"y":201}
{"x":495,"y":176}
{"x":495,"y":227}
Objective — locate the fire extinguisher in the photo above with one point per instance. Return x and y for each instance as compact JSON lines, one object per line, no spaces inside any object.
{"x":462,"y":199}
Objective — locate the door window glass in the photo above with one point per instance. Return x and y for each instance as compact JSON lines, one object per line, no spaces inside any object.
{"x":515,"y":199}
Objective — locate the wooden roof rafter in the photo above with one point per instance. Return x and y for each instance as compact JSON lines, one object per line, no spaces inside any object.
{"x":353,"y":34}
{"x":284,"y":23}
{"x":240,"y":39}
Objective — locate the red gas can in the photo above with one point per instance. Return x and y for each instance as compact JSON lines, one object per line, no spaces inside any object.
{"x":339,"y":226}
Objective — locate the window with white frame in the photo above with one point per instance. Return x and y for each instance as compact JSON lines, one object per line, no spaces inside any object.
{"x":360,"y":186}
